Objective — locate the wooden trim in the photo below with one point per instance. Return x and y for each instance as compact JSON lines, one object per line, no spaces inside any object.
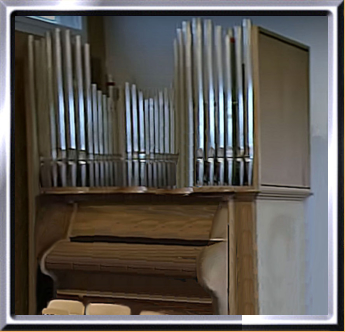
{"x":72,"y":219}
{"x":255,"y":260}
{"x":33,"y":185}
{"x":256,"y":86}
{"x":149,"y":297}
{"x":133,"y":199}
{"x":232,"y":275}
{"x":223,"y":189}
{"x":144,"y":190}
{"x":148,"y":198}
{"x":219,"y":228}
{"x":283,"y":39}
{"x":283,"y":193}
{"x":246,"y":263}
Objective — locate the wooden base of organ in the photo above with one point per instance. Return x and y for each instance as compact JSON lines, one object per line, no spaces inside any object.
{"x":159,"y":250}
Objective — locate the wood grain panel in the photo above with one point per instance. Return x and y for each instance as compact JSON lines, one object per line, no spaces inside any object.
{"x":188,"y":222}
{"x":33,"y":181}
{"x":220,"y":223}
{"x":183,"y":192}
{"x":53,"y":221}
{"x":284,"y":113}
{"x":178,"y":261}
{"x":246,"y":265}
{"x":131,"y":284}
{"x":232,"y":274}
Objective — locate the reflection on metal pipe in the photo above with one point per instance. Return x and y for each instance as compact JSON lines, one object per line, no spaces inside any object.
{"x":249,"y":102}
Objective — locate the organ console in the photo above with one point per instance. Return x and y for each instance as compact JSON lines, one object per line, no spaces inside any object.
{"x":150,"y":196}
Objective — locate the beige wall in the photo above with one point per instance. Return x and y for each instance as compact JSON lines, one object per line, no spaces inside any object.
{"x":281,"y":257}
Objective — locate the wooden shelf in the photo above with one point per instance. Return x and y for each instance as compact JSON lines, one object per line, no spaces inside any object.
{"x":144,"y":190}
{"x":128,"y":296}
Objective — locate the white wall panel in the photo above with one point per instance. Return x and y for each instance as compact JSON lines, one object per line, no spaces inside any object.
{"x":281,"y":256}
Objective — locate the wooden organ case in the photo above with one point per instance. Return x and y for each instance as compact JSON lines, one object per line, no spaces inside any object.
{"x":187,"y":246}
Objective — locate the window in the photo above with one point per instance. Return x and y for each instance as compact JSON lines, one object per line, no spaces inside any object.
{"x":38,"y":25}
{"x":74,"y":22}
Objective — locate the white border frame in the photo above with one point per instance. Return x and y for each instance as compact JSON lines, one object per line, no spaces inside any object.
{"x":7,"y":7}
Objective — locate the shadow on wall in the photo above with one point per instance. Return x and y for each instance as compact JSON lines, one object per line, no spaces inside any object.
{"x":281,"y":257}
{"x":317,"y":231}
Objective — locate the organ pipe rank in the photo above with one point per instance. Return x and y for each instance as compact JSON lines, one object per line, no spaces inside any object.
{"x":197,"y":132}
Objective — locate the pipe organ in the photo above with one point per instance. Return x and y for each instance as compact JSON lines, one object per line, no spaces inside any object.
{"x":152,"y":193}
{"x":198,"y":132}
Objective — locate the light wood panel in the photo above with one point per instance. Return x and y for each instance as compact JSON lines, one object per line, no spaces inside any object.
{"x":246,"y":263}
{"x":143,"y":190}
{"x":187,"y":222}
{"x":33,"y":175}
{"x":232,"y":272}
{"x":284,"y":112}
{"x":143,"y":259}
{"x":53,"y":221}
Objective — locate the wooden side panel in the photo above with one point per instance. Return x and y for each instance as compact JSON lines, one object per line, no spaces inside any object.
{"x":246,"y":264}
{"x":33,"y":178}
{"x":284,"y":112}
{"x":52,"y":225}
{"x":220,"y":223}
{"x":232,"y":274}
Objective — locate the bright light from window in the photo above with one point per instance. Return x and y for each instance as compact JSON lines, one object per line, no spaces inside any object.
{"x":52,"y":18}
{"x":67,"y":3}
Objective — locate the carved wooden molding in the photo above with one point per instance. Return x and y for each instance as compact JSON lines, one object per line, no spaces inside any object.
{"x":212,"y":275}
{"x":283,"y":193}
